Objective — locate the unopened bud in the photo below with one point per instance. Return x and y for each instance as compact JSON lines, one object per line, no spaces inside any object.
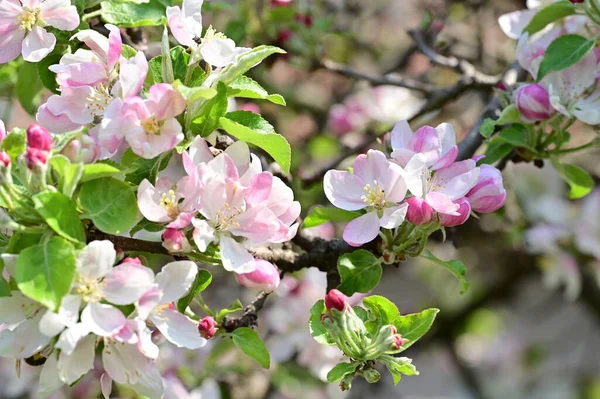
{"x":36,"y":157}
{"x":281,"y":3}
{"x":135,"y":261}
{"x":207,"y":327}
{"x":284,"y":35}
{"x":83,"y":149}
{"x":265,"y":277}
{"x":39,"y":138}
{"x":419,"y":212}
{"x":502,"y":86}
{"x":437,"y":26}
{"x":335,"y":299}
{"x":488,"y":194}
{"x":371,"y":375}
{"x":464,"y":211}
{"x":398,"y":341}
{"x":533,"y":101}
{"x":2,"y":130}
{"x":4,"y":159}
{"x":175,"y":241}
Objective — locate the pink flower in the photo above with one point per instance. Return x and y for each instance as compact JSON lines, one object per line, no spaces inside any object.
{"x":265,"y":277}
{"x":335,"y":299}
{"x":39,"y":138}
{"x":149,"y":125}
{"x":533,"y":101}
{"x":22,"y":27}
{"x":186,"y":22}
{"x":463,"y":213}
{"x":167,"y":202}
{"x":377,"y":186}
{"x":488,"y":194}
{"x":440,"y":189}
{"x":175,"y":241}
{"x":438,"y":146}
{"x":419,"y":212}
{"x":4,"y":159}
{"x":207,"y":327}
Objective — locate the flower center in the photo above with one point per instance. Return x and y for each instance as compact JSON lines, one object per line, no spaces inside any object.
{"x":159,"y":310}
{"x":98,"y":100}
{"x":169,"y":202}
{"x":28,"y":18}
{"x":211,"y":34}
{"x":374,"y":195}
{"x":435,"y":183}
{"x":226,"y":218}
{"x":90,"y":289}
{"x":151,"y":125}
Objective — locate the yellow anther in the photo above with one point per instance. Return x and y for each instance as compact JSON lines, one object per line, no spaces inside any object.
{"x":28,"y":18}
{"x":374,"y":196}
{"x":90,"y":289}
{"x":151,"y":125}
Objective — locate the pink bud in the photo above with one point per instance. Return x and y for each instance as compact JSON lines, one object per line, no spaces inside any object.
{"x":533,"y":101}
{"x":398,"y":341}
{"x":175,"y":241}
{"x":419,"y":212}
{"x":4,"y":159}
{"x":577,"y":1}
{"x":464,"y":211}
{"x":2,"y":130}
{"x":335,"y":300}
{"x":39,"y":138}
{"x":83,"y":150}
{"x":281,"y":3}
{"x":265,"y":277}
{"x":340,"y":120}
{"x":488,"y":194}
{"x":36,"y":157}
{"x":207,"y":327}
{"x":135,"y":261}
{"x":309,"y":20}
{"x":437,"y":26}
{"x":250,"y":107}
{"x":502,"y":86}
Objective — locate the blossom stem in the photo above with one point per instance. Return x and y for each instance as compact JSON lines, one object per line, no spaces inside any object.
{"x":92,"y":14}
{"x":575,"y":149}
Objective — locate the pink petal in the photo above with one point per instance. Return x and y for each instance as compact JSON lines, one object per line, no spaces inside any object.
{"x":260,"y":188}
{"x":149,"y":199}
{"x":344,"y":189}
{"x":393,"y":184}
{"x":10,"y":43}
{"x":442,"y":203}
{"x":371,"y":166}
{"x":401,"y":134}
{"x":59,"y":14}
{"x":115,"y":45}
{"x":95,"y":41}
{"x":447,"y":159}
{"x":81,"y":74}
{"x":235,"y":257}
{"x":175,"y":279}
{"x":72,"y":102}
{"x":37,"y":44}
{"x":257,"y":224}
{"x":178,"y":29}
{"x":464,"y":211}
{"x":103,"y":320}
{"x":362,"y":229}
{"x":132,"y":75}
{"x":109,"y":134}
{"x":427,"y":142}
{"x":197,"y":153}
{"x":126,"y":283}
{"x":150,"y":300}
{"x":393,"y":216}
{"x":183,"y":220}
{"x":178,"y":329}
{"x":167,"y":102}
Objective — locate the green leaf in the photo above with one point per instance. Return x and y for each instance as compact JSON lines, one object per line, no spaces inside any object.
{"x":29,"y":87}
{"x":398,"y":366}
{"x":139,"y":168}
{"x":253,"y":129}
{"x":60,"y":213}
{"x":15,"y":143}
{"x":235,"y":307}
{"x":565,"y":51}
{"x":320,"y":214}
{"x":147,"y":225}
{"x":413,"y":326}
{"x":496,"y":150}
{"x":455,"y":266}
{"x":22,"y":240}
{"x":44,"y":272}
{"x":179,"y":60}
{"x":203,"y":280}
{"x":318,"y":332}
{"x":383,"y":311}
{"x":579,"y":180}
{"x":4,"y":287}
{"x":549,"y":14}
{"x":516,"y":136}
{"x":247,"y":88}
{"x":129,"y":15}
{"x":247,"y":61}
{"x":210,"y":112}
{"x":487,"y":127}
{"x":360,"y":272}
{"x":509,"y":115}
{"x":340,"y":370}
{"x":47,"y":77}
{"x":69,"y":173}
{"x":250,"y":343}
{"x":98,"y":170}
{"x":193,"y":94}
{"x":110,"y":203}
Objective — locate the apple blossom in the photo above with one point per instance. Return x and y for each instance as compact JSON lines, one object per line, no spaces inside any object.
{"x":22,"y":26}
{"x":375,"y":185}
{"x":207,"y":327}
{"x":463,"y":211}
{"x":167,"y":202}
{"x":488,"y":195}
{"x":533,"y":101}
{"x":419,"y":211}
{"x":265,"y":277}
{"x":175,"y":241}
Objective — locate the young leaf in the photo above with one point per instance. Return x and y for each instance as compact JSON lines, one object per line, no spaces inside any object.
{"x":179,"y":61}
{"x":579,"y":180}
{"x":69,"y":173}
{"x":236,"y":306}
{"x":398,"y":366}
{"x":4,"y":287}
{"x":130,"y":15}
{"x":516,"y":136}
{"x":206,"y":119}
{"x":551,"y":13}
{"x":250,"y":343}
{"x":456,"y":267}
{"x":193,"y":94}
{"x":253,"y":129}
{"x":487,"y":127}
{"x":382,"y":309}
{"x":246,"y":61}
{"x":60,"y":213}
{"x":565,"y":51}
{"x":496,"y":150}
{"x":508,"y":115}
{"x":247,"y":88}
{"x":413,"y":326}
{"x":360,"y":272}
{"x":203,"y":279}
{"x":139,"y":168}
{"x":97,"y":170}
{"x":340,"y":370}
{"x":110,"y":203}
{"x":29,"y":87}
{"x":318,"y":332}
{"x":44,"y":272}
{"x":320,"y":214}
{"x":15,"y":143}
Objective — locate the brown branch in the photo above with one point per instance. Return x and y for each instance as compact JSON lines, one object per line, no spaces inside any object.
{"x":250,"y":315}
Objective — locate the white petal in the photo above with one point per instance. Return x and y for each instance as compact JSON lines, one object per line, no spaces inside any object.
{"x":74,"y":366}
{"x":175,"y":279}
{"x":393,"y":217}
{"x":49,"y":381}
{"x":69,"y":338}
{"x":96,"y":259}
{"x":218,"y":52}
{"x":235,"y":257}
{"x":203,"y":234}
{"x":16,"y":308}
{"x":178,"y":329}
{"x":123,"y":362}
{"x":24,"y":341}
{"x":68,"y":314}
{"x":103,"y":320}
{"x":38,"y":44}
{"x":151,"y":299}
{"x":150,"y":383}
{"x":106,"y":385}
{"x":126,"y":283}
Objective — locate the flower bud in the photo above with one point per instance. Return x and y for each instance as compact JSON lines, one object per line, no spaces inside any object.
{"x":4,"y":159}
{"x":398,"y":341}
{"x":252,"y":107}
{"x":336,"y":300}
{"x":265,"y":277}
{"x":284,"y":36}
{"x":371,"y":375}
{"x":2,"y":130}
{"x":39,"y":138}
{"x":577,"y":1}
{"x":135,"y":261}
{"x":207,"y":327}
{"x":437,"y":26}
{"x":36,"y":157}
{"x":464,"y":212}
{"x":419,"y":212}
{"x":83,"y":149}
{"x":175,"y":241}
{"x":488,"y":194}
{"x":281,"y":3}
{"x":533,"y":101}
{"x":502,"y":86}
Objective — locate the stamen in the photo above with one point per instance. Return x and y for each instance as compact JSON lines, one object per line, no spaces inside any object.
{"x":374,"y":195}
{"x":90,"y":289}
{"x":28,"y":18}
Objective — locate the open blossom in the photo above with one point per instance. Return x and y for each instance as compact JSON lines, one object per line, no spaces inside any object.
{"x":437,"y":146}
{"x":22,"y":24}
{"x":167,"y":202}
{"x":488,"y":194}
{"x":377,"y":186}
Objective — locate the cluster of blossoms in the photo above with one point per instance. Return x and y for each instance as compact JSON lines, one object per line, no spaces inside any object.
{"x":444,"y":190}
{"x":92,"y":315}
{"x":572,"y":92}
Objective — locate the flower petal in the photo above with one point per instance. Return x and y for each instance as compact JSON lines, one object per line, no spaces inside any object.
{"x":132,"y":74}
{"x":123,"y":362}
{"x":150,"y":383}
{"x":178,"y":29}
{"x":178,"y":329}
{"x":59,"y":14}
{"x":126,"y":283}
{"x":442,"y":203}
{"x":106,"y":385}
{"x":219,"y":52}
{"x":102,"y":319}
{"x":235,"y":257}
{"x":70,"y":337}
{"x":11,"y":44}
{"x":96,"y":259}
{"x":175,"y":279}
{"x":72,"y":367}
{"x":393,"y":216}
{"x":344,"y":190}
{"x":361,"y":230}
{"x":203,"y":234}
{"x":24,"y":341}
{"x":49,"y":381}
{"x":52,"y":323}
{"x":37,"y":44}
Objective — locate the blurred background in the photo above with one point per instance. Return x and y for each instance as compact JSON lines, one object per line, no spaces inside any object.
{"x":528,"y":327}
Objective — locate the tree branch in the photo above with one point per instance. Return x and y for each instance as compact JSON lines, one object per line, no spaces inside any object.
{"x":250,"y":315}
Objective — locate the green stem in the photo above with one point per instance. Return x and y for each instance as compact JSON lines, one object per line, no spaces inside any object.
{"x":575,"y":149}
{"x":91,"y":15}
